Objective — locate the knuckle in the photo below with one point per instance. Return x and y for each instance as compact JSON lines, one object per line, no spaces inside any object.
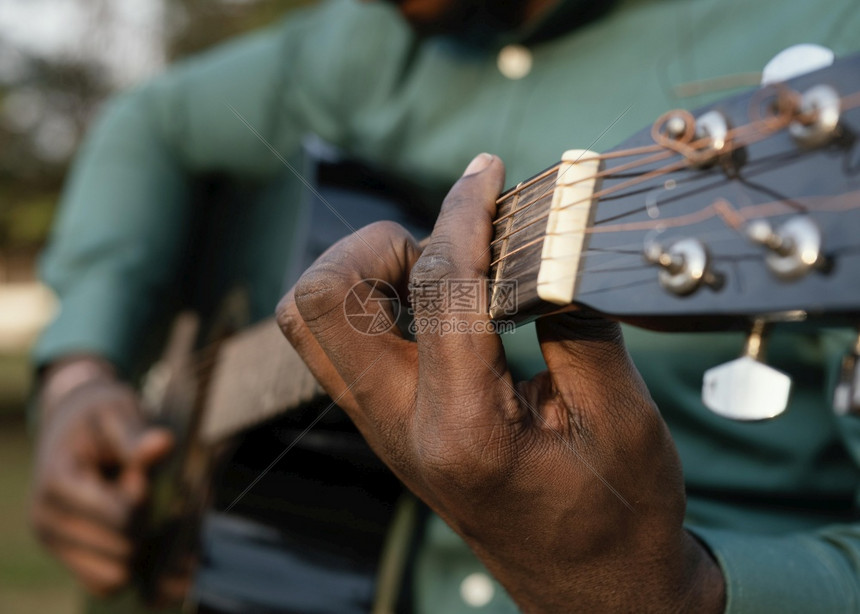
{"x":433,"y":266}
{"x":287,"y":317}
{"x":316,"y":292}
{"x":384,"y":228}
{"x":465,"y":460}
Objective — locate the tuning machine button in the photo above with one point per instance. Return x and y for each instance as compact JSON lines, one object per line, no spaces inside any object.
{"x":684,"y":266}
{"x":747,"y":389}
{"x":795,"y":61}
{"x":795,"y":247}
{"x":818,"y":120}
{"x":714,"y":127}
{"x":846,"y":396}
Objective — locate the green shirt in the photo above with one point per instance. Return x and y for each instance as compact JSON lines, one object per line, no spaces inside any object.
{"x":775,"y":502}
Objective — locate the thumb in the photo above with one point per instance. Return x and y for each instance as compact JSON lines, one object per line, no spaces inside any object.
{"x":152,"y":446}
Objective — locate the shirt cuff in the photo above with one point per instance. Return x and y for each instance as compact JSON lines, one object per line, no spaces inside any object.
{"x":798,"y":573}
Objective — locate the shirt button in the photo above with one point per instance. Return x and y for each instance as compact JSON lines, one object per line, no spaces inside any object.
{"x":514,"y":61}
{"x":477,"y":590}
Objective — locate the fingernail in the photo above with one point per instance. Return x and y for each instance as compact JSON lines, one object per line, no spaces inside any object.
{"x":480,"y":162}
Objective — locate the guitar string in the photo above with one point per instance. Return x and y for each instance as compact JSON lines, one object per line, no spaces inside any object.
{"x":734,"y":218}
{"x":759,"y":129}
{"x":209,"y":353}
{"x":712,"y":238}
{"x":624,"y":167}
{"x":545,"y":216}
{"x":208,"y":356}
{"x":732,"y":143}
{"x":599,"y":194}
{"x":663,"y":145}
{"x":751,"y":170}
{"x":834,"y":204}
{"x":520,"y":187}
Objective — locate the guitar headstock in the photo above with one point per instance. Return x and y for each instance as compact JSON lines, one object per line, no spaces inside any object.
{"x":748,"y":208}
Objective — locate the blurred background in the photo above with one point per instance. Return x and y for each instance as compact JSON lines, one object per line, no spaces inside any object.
{"x":59,"y":60}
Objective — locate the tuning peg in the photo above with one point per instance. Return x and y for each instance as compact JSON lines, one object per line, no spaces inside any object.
{"x":795,"y":247}
{"x":846,"y":396}
{"x":683,"y":267}
{"x":746,"y":388}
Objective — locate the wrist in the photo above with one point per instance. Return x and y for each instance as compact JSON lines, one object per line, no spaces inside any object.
{"x":705,"y":589}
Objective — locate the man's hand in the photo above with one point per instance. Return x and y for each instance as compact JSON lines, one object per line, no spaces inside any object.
{"x":567,"y":486}
{"x":92,"y":472}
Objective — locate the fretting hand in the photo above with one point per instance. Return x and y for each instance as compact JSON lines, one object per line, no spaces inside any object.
{"x":567,"y":486}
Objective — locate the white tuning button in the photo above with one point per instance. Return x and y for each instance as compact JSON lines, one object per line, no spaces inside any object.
{"x":747,"y":389}
{"x":795,"y":61}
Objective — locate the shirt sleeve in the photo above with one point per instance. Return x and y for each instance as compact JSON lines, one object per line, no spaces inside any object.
{"x":125,"y":217}
{"x":816,"y":570}
{"x":797,"y":573}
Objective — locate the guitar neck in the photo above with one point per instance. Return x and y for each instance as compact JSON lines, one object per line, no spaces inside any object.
{"x":258,"y":376}
{"x":540,"y":237}
{"x":579,"y":233}
{"x":708,"y":220}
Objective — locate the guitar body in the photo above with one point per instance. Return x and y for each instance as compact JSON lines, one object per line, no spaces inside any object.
{"x":247,"y":379}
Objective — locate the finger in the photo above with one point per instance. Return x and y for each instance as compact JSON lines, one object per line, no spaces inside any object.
{"x":454,"y":265}
{"x":118,"y":428}
{"x":299,"y":335}
{"x":86,"y":495}
{"x":100,"y":576}
{"x":59,"y":529}
{"x":152,"y":446}
{"x":589,"y":364}
{"x":347,"y":301}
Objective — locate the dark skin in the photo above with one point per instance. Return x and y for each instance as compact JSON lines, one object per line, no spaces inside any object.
{"x":567,"y":486}
{"x":95,"y":450}
{"x":434,"y":16}
{"x":92,"y":474}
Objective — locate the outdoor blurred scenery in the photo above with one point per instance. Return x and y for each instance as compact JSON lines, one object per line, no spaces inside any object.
{"x":59,"y":60}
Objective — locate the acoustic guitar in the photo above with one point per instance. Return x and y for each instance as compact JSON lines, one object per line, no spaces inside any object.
{"x":738,"y":215}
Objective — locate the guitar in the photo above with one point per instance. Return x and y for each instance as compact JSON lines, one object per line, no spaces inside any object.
{"x":737,"y":215}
